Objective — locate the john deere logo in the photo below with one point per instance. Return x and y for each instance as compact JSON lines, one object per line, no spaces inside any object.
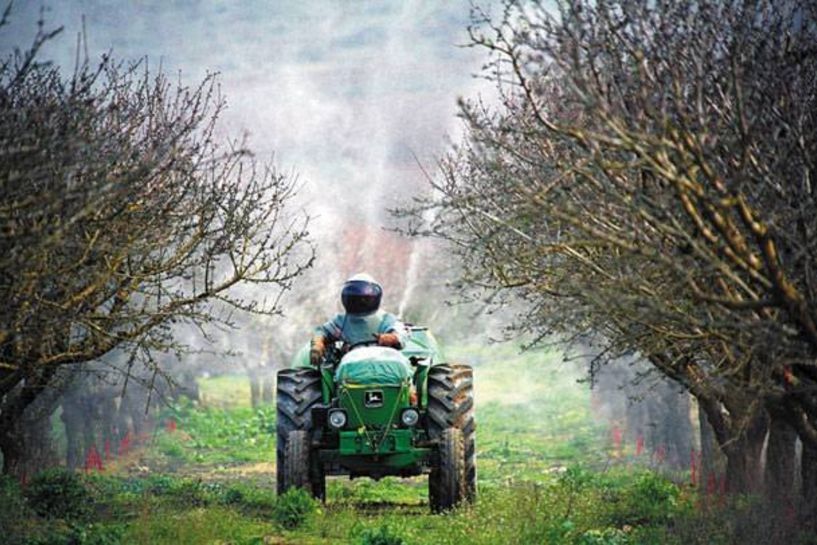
{"x":373,"y":398}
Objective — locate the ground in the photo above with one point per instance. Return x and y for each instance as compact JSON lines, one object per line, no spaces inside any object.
{"x":547,"y":473}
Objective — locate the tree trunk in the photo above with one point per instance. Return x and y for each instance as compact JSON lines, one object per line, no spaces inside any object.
{"x":255,"y":389}
{"x":72,"y":425}
{"x":38,"y":449}
{"x":13,"y":407}
{"x":808,"y":486}
{"x":744,"y":462}
{"x":266,"y":390}
{"x":266,"y":382}
{"x":12,"y":447}
{"x":131,"y":415}
{"x":675,"y":426}
{"x":780,"y":460}
{"x":712,"y":461}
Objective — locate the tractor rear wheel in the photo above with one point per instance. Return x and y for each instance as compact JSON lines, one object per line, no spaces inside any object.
{"x":298,"y":391}
{"x":451,"y":404}
{"x":447,"y":481}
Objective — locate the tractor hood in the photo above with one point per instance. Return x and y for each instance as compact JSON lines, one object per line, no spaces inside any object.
{"x":374,"y":365}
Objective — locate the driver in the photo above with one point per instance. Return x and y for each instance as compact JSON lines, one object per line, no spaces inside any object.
{"x":363,"y":321}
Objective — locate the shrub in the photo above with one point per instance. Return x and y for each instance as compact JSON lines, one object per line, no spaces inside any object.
{"x":651,"y":499}
{"x":576,"y":478}
{"x":265,"y":419}
{"x":157,"y":484}
{"x":59,"y":493}
{"x":11,"y":499}
{"x":382,"y":536}
{"x":97,"y":534}
{"x":80,"y":534}
{"x":188,"y":493}
{"x":293,"y":508}
{"x":233,"y":496}
{"x":12,"y":510}
{"x":248,"y":496}
{"x":607,"y":536}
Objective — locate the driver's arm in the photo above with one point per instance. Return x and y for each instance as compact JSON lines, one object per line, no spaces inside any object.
{"x":393,"y":333}
{"x":323,"y":336}
{"x":317,"y":348}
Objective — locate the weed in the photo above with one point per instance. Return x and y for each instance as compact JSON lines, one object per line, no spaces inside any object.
{"x":13,"y":509}
{"x":97,"y":534}
{"x":382,"y":536}
{"x":59,"y":493}
{"x":251,"y":497}
{"x":233,"y":496}
{"x":155,"y":484}
{"x":293,"y":508}
{"x":11,"y":499}
{"x":190,"y":494}
{"x":606,"y":536}
{"x":215,"y":524}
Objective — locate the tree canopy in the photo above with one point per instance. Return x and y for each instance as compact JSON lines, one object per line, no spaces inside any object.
{"x":646,"y":181}
{"x":124,"y":212}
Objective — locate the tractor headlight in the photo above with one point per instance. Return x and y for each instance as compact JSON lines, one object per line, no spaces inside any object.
{"x":337,"y":418}
{"x":409,"y":417}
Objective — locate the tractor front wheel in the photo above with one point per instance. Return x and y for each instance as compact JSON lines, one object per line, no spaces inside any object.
{"x":295,"y":463}
{"x":451,"y":404}
{"x":299,"y":467}
{"x":447,"y":485}
{"x":299,"y":390}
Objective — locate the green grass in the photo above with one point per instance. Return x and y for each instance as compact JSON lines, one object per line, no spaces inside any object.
{"x":577,"y":507}
{"x":540,"y":459}
{"x":533,"y":416}
{"x":197,"y":525}
{"x":219,"y":436}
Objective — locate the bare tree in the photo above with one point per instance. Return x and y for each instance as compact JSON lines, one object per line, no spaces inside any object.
{"x":121,"y":215}
{"x":647,"y":183}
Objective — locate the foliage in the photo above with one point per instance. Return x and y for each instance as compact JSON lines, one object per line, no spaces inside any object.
{"x":649,"y":499}
{"x":13,"y":510}
{"x":382,"y":536}
{"x":59,"y":493}
{"x":607,"y":536}
{"x":293,"y":508}
{"x":80,"y":534}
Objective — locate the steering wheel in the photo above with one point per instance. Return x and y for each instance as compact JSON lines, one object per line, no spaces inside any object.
{"x":372,"y":342}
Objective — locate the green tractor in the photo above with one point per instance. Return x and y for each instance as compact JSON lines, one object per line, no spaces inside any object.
{"x":376,"y":411}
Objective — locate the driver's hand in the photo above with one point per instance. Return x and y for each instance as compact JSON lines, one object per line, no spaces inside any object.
{"x":388,"y":339}
{"x":316,"y":350}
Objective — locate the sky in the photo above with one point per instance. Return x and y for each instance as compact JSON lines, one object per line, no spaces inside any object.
{"x":343,"y":93}
{"x":348,"y":95}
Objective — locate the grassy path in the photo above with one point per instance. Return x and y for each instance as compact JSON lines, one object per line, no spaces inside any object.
{"x":208,"y":476}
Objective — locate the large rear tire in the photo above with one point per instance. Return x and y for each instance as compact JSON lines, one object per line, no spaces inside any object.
{"x":298,"y":391}
{"x":451,"y":405}
{"x":447,"y":481}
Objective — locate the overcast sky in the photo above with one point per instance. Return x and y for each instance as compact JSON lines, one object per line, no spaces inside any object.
{"x":342,"y":92}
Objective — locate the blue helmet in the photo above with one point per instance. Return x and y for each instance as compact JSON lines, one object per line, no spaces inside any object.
{"x":361,"y":294}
